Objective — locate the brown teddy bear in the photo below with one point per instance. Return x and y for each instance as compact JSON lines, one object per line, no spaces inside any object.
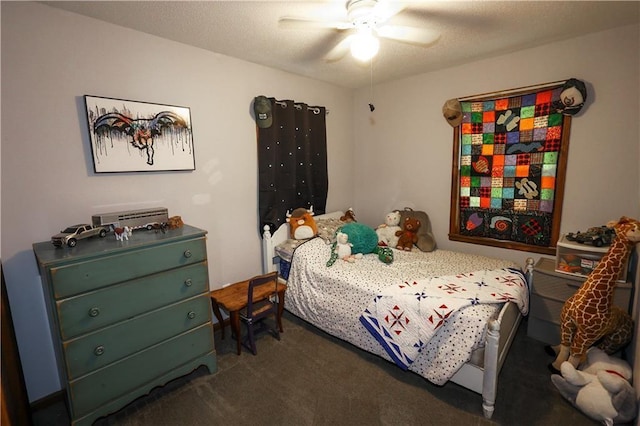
{"x":408,"y":234}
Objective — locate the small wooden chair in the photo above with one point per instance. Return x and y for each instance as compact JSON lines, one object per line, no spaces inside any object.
{"x":260,"y":307}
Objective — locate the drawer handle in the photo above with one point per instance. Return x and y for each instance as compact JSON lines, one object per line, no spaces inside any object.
{"x":191,"y":315}
{"x":187,"y":253}
{"x":188,"y":282}
{"x":94,"y":312}
{"x":99,"y":350}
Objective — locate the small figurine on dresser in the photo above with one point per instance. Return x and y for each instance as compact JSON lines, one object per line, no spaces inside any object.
{"x":175,"y":222}
{"x":122,"y":233}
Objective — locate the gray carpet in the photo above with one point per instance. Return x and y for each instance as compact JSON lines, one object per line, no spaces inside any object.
{"x":310,"y":378}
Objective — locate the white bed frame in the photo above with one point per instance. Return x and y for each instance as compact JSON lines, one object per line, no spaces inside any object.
{"x":480,"y":374}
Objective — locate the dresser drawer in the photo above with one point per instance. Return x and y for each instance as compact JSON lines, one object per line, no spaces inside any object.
{"x":100,"y":308}
{"x":75,"y":278}
{"x":93,"y":390}
{"x":95,"y":350}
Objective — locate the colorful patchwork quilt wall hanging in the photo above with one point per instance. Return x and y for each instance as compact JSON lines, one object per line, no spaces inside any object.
{"x":511,"y":168}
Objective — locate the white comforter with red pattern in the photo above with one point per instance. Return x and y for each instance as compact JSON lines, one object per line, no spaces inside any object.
{"x":404,"y":317}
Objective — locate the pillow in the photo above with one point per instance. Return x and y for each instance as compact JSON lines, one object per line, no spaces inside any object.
{"x":285,"y":249}
{"x":327,"y":229}
{"x":426,"y":240}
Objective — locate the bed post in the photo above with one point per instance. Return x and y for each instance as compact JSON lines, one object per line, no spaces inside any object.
{"x":490,"y":376}
{"x":267,"y":251}
{"x":529,"y":272}
{"x":492,"y":353}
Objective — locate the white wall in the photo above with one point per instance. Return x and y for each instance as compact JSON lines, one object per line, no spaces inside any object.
{"x":404,"y":148}
{"x":50,"y":59}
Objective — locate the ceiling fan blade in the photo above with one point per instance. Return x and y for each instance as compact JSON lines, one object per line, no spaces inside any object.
{"x":339,"y":50}
{"x":307,"y":23}
{"x":410,"y":35}
{"x":385,"y":10}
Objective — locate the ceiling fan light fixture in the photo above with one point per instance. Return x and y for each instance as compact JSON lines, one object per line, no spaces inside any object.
{"x":365,"y":45}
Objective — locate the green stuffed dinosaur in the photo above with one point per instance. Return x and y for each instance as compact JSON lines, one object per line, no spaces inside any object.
{"x":364,"y":240}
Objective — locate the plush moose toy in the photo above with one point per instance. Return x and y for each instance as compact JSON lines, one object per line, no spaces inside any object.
{"x":302,"y":224}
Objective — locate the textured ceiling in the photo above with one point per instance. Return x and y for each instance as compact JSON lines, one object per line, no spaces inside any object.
{"x":470,"y":30}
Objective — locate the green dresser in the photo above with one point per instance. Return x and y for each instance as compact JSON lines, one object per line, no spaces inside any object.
{"x":127,"y":316}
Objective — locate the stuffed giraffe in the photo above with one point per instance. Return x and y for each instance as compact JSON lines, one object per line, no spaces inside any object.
{"x":589,"y":315}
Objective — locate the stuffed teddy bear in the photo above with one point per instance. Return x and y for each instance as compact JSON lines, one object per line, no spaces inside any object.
{"x":408,"y":234}
{"x":387,"y":231}
{"x":600,"y":388}
{"x":426,"y":240}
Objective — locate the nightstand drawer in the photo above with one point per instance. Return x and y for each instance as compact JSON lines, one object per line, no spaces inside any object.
{"x":544,"y":331}
{"x":119,"y":378}
{"x":559,"y":288}
{"x":553,"y":287}
{"x":546,"y":308}
{"x":100,"y":308}
{"x":96,"y":350}
{"x":90,"y":275}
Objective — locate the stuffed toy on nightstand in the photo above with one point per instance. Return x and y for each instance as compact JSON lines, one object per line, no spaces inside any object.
{"x":588,"y":317}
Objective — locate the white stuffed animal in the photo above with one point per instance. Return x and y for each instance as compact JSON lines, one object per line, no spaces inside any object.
{"x":387,"y":231}
{"x":343,"y":248}
{"x":600,"y":388}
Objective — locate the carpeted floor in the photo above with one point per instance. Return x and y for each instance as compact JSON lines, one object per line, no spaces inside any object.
{"x":310,"y":378}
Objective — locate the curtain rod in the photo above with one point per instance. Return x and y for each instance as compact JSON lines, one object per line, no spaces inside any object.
{"x":510,"y":92}
{"x":315,"y":110}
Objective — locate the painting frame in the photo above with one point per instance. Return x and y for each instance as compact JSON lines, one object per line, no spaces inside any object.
{"x":134,"y":136}
{"x":469,"y":161}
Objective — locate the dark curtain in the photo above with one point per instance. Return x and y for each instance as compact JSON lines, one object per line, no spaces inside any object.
{"x":292,"y":162}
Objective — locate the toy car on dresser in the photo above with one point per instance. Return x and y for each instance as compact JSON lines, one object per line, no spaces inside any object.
{"x":72,"y":234}
{"x":597,"y":236}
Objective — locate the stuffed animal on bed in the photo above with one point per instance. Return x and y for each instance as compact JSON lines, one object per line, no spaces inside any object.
{"x":408,"y":235}
{"x":364,"y":240}
{"x":600,"y":388}
{"x":387,"y":231}
{"x":349,"y":216}
{"x":302,"y":225}
{"x":426,"y":240}
{"x":343,"y":248}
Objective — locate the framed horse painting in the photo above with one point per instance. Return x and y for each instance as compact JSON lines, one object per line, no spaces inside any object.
{"x":132,"y":136}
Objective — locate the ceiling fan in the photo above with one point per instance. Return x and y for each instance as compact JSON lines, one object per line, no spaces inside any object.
{"x":366,"y":21}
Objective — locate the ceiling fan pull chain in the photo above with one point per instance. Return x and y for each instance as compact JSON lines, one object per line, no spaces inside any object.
{"x":371,"y":106}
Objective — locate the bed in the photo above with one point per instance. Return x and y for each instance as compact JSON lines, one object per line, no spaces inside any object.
{"x":470,"y":344}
